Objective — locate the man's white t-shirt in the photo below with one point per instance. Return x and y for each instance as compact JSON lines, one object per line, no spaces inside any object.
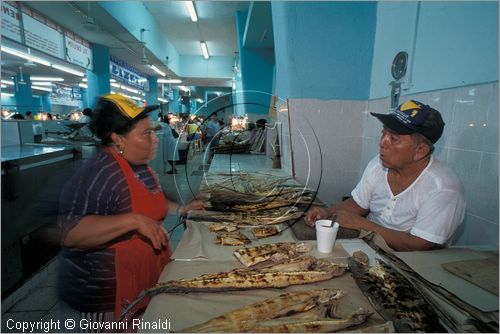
{"x":431,"y":208}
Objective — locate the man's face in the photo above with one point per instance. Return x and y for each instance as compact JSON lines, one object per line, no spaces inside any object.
{"x":396,"y":150}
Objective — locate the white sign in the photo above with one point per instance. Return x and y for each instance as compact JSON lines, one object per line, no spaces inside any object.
{"x":78,"y":51}
{"x":41,"y":34}
{"x":11,"y":22}
{"x":126,"y":74}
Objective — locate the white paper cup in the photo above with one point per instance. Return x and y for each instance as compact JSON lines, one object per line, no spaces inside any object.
{"x":326,"y":235}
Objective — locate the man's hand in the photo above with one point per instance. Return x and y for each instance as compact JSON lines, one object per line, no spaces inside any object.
{"x":349,"y":219}
{"x":316,"y":213}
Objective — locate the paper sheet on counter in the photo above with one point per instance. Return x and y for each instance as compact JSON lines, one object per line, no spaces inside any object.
{"x":197,"y":243}
{"x":428,"y":265}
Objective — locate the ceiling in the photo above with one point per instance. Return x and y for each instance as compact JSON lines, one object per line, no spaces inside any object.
{"x":216,"y":23}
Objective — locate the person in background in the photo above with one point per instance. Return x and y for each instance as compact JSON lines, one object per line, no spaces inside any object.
{"x":28,"y":115}
{"x":111,"y":212}
{"x":49,"y":117}
{"x":212,"y":129}
{"x":17,"y":116}
{"x":170,"y":148}
{"x":86,"y":116}
{"x":405,"y":195}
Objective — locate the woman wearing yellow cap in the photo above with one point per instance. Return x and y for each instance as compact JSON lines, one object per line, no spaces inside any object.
{"x":112,"y":212}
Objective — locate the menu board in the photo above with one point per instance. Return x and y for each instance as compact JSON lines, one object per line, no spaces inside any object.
{"x":78,"y":51}
{"x":11,"y":21}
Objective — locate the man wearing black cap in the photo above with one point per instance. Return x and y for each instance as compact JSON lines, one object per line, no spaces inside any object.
{"x":411,"y":199}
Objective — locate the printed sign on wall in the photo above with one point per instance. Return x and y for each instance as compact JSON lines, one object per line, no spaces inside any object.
{"x":42,"y":34}
{"x":11,"y":21}
{"x":128,"y":75}
{"x":78,"y":51}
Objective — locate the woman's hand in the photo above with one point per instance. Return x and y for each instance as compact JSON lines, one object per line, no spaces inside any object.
{"x":151,"y":230}
{"x":316,"y":213}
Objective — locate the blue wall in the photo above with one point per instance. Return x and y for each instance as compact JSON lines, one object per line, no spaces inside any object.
{"x":450,"y":44}
{"x":324,"y":50}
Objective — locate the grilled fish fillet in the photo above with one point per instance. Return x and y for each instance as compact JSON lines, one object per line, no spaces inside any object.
{"x":300,"y":271}
{"x":307,"y":311}
{"x":271,"y":253}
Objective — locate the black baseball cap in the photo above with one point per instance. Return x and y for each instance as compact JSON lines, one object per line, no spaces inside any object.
{"x":413,"y":116}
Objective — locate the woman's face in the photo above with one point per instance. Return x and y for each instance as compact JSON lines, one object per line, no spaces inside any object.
{"x":140,"y":144}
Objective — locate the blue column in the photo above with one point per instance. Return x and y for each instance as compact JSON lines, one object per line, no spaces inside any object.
{"x":174,"y":105}
{"x":98,"y":79}
{"x":24,"y":99}
{"x":152,"y":95}
{"x":46,"y":105}
{"x":257,"y":85}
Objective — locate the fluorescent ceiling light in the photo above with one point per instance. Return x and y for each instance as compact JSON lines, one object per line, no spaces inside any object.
{"x":143,"y":80}
{"x":7,"y":94}
{"x":184,"y":88}
{"x":112,"y":80}
{"x":204,"y":49}
{"x":3,"y":86}
{"x":68,"y":70}
{"x":46,"y":79}
{"x":42,"y":83}
{"x":157,"y":70}
{"x":162,"y":100}
{"x":41,"y":88}
{"x":135,"y":91}
{"x":82,"y":85}
{"x":114,"y":84}
{"x":26,"y":56}
{"x":169,"y":81}
{"x":8,"y":82}
{"x":191,"y":10}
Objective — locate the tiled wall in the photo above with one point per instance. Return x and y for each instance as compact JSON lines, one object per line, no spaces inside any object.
{"x":330,"y":143}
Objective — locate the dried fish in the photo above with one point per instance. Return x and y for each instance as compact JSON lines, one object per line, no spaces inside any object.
{"x":306,"y":311}
{"x":395,"y":298}
{"x":233,"y":238}
{"x":304,"y":271}
{"x":271,"y":253}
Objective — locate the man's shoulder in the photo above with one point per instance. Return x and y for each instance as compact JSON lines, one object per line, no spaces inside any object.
{"x":443,"y":176}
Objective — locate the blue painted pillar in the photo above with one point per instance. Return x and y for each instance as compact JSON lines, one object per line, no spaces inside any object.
{"x":174,"y":104}
{"x":23,"y":93}
{"x":257,"y":85}
{"x":152,"y":95}
{"x":46,"y":105}
{"x":98,"y":79}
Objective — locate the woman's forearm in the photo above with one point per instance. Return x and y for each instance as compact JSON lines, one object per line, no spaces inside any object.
{"x":94,"y":231}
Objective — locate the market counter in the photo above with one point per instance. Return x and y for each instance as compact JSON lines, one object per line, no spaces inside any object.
{"x":197,"y":254}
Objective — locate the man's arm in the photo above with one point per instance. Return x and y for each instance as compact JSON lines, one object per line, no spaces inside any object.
{"x":317,"y":212}
{"x":397,"y":240}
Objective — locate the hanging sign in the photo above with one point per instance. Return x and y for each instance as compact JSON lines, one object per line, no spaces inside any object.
{"x":78,"y":50}
{"x":124,"y":73}
{"x":65,"y":95}
{"x":11,"y":21}
{"x":42,"y":34}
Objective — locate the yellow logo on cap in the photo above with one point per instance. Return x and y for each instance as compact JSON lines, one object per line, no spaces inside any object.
{"x":128,"y":107}
{"x":414,"y":113}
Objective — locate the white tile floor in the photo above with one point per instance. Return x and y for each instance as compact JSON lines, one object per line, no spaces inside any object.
{"x":37,"y":299}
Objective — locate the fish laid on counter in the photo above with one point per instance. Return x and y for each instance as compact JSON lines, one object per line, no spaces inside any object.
{"x":395,"y":298}
{"x":228,"y":227}
{"x":305,"y":311}
{"x":299,"y":271}
{"x":233,"y":238}
{"x":265,"y":231}
{"x":261,"y":217}
{"x":271,"y":253}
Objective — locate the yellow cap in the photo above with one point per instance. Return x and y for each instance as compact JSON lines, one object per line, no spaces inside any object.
{"x":127,"y":106}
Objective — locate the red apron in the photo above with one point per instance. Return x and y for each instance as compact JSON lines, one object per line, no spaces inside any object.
{"x":137,"y":264}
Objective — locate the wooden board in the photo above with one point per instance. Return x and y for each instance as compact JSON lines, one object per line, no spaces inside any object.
{"x":483,"y":272}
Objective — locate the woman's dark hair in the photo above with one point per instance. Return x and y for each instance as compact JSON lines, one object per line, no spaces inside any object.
{"x":87,"y":112}
{"x":108,"y":119}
